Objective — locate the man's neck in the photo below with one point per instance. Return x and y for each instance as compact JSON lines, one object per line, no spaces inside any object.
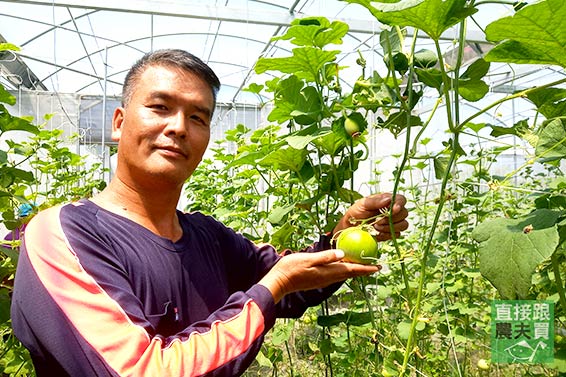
{"x":153,"y":210}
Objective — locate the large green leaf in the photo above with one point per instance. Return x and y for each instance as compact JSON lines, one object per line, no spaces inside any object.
{"x":391,"y":41}
{"x":301,"y":141}
{"x":472,"y":90}
{"x":511,"y":249}
{"x":431,"y":77}
{"x":303,"y":106}
{"x":285,"y":159}
{"x":550,"y":102}
{"x":11,"y":123}
{"x":6,"y":97}
{"x":295,"y":101}
{"x":470,"y":84}
{"x":282,"y":235}
{"x":536,"y":34}
{"x":551,"y":143}
{"x":315,"y":32}
{"x":306,"y":62}
{"x":331,"y":143}
{"x":518,"y":129}
{"x":476,"y":71}
{"x":350,"y":318}
{"x":433,"y":17}
{"x":277,"y":214}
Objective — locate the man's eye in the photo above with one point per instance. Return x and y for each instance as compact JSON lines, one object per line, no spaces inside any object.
{"x":158,"y":107}
{"x":199,"y":119}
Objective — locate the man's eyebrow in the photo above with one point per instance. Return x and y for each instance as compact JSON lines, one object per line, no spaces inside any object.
{"x":205,"y":110}
{"x":159,"y":95}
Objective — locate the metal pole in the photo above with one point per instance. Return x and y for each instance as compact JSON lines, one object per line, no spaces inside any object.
{"x":103,"y":131}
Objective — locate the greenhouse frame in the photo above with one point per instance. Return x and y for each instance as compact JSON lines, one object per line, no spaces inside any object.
{"x":458,"y":107}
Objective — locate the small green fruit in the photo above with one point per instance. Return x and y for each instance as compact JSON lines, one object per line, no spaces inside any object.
{"x":351,"y":126}
{"x":358,"y":245}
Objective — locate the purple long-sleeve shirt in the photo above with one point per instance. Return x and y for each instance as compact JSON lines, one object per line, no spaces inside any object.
{"x":97,"y":294}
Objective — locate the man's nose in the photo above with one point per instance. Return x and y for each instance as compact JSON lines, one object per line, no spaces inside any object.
{"x":177,"y":125}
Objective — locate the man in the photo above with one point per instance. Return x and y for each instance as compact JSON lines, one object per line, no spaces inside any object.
{"x":124,"y":284}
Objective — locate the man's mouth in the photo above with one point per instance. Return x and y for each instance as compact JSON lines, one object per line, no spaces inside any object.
{"x":172,"y":149}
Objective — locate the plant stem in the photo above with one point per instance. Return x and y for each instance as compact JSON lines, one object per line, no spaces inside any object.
{"x":290,"y":359}
{"x":559,"y":285}
{"x":446,"y":85}
{"x":426,"y":252}
{"x":520,"y":94}
{"x":404,"y":161}
{"x":424,"y":127}
{"x":502,"y":2}
{"x":368,"y":303}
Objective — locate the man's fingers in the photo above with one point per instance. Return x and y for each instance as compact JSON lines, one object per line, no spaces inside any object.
{"x":319,"y":258}
{"x":397,"y":217}
{"x":397,"y":227}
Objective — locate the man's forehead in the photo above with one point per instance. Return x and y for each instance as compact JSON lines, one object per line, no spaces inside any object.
{"x":171,"y":75}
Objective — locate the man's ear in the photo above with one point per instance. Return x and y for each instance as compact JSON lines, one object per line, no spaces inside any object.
{"x":117,"y":122}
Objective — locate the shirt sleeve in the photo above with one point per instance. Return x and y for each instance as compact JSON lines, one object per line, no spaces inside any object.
{"x":72,"y":326}
{"x":295,"y":304}
{"x":259,"y":259}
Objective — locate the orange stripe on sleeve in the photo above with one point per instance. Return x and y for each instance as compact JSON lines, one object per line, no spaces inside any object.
{"x":125,"y":346}
{"x":225,"y":341}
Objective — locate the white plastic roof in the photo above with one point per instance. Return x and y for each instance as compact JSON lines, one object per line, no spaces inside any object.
{"x":86,"y":46}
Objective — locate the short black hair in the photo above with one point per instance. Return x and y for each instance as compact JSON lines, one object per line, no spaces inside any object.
{"x":170,"y":58}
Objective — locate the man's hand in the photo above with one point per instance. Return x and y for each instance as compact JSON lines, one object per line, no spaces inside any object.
{"x":372,"y":206}
{"x":304,"y":271}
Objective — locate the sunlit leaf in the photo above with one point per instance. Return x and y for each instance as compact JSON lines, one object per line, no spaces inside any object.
{"x":254,"y":88}
{"x":12,"y":123}
{"x":285,"y":159}
{"x":550,"y":102}
{"x":332,"y":142}
{"x":277,"y":214}
{"x":263,"y":361}
{"x":315,"y":32}
{"x":433,"y":17}
{"x":305,"y":63}
{"x":300,"y":141}
{"x":7,"y":97}
{"x":536,"y":34}
{"x":551,"y":143}
{"x":511,"y":249}
{"x":281,"y":333}
{"x":295,"y":101}
{"x":476,"y":127}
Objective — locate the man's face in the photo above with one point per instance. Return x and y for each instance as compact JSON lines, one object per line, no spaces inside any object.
{"x":164,"y":130}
